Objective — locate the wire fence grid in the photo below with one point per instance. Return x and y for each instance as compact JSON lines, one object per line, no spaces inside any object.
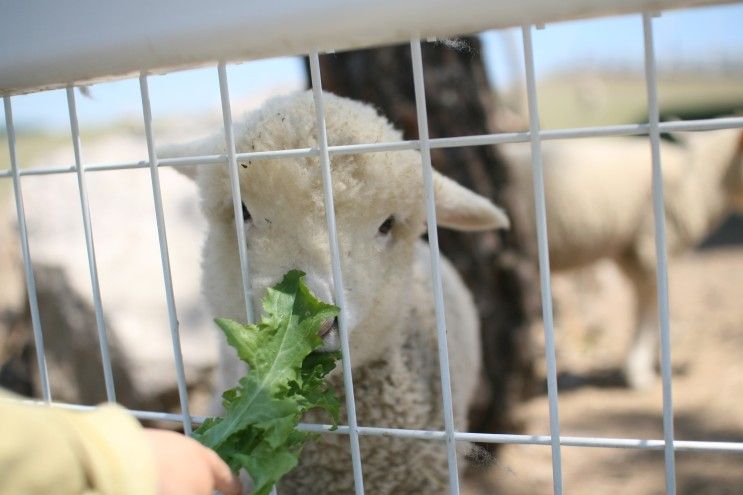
{"x":669,"y":445}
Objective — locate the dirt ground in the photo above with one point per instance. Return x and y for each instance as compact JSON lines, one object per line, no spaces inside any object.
{"x":593,"y":317}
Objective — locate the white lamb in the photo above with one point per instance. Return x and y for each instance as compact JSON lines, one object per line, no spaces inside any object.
{"x":599,"y":205}
{"x":379,"y":203}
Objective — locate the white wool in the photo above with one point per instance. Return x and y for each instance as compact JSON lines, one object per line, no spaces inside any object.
{"x":598,"y":196}
{"x":389,"y":302}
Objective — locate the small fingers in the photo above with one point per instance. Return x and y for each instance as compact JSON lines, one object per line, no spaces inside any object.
{"x":224,"y":480}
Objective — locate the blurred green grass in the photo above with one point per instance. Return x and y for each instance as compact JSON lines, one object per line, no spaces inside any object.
{"x":583,"y":98}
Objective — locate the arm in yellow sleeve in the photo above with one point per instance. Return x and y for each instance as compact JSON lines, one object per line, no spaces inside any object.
{"x":45,"y":450}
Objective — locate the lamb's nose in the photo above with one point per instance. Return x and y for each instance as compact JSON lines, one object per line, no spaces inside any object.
{"x":327,"y":326}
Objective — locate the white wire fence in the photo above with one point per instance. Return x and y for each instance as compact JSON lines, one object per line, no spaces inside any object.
{"x":669,"y":445}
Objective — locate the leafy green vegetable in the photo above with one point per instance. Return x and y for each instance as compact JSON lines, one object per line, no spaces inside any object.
{"x":258,"y":431}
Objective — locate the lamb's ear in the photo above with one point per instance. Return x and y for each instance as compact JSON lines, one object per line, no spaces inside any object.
{"x":201,"y":147}
{"x":187,"y":170}
{"x":461,"y":209}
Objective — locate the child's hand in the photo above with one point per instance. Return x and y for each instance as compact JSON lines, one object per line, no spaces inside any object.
{"x":185,"y":467}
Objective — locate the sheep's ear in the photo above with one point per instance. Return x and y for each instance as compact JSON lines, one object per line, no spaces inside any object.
{"x":196,"y":148}
{"x":187,"y":170}
{"x":461,"y":209}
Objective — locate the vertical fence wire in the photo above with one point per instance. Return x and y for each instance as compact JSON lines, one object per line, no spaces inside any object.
{"x":544,"y":266}
{"x":229,"y":136}
{"x":433,"y":242}
{"x":661,"y":264}
{"x":27,"y":265}
{"x":340,"y":300}
{"x":90,"y":247}
{"x":164,"y":256}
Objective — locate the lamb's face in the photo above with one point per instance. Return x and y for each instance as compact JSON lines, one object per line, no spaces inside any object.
{"x":379,"y":209}
{"x":379,"y":216}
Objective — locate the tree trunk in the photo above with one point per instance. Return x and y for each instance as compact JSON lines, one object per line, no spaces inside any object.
{"x":496,"y":266}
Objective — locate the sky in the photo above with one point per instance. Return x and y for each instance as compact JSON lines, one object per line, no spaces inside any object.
{"x":690,"y":37}
{"x":703,"y":37}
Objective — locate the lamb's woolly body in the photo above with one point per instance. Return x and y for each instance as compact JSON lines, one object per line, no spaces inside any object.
{"x":389,"y":305}
{"x":599,"y":205}
{"x":403,"y":390}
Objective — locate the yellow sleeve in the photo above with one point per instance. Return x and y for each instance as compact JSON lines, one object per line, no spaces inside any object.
{"x":45,"y":450}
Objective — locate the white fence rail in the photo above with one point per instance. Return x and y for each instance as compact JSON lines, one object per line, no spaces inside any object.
{"x":52,"y":44}
{"x":71,"y":44}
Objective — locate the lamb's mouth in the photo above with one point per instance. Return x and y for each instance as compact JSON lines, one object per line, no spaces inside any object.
{"x":327,"y":326}
{"x":329,"y":334}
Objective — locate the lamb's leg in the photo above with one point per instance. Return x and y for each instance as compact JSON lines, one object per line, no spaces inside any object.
{"x":639,"y":365}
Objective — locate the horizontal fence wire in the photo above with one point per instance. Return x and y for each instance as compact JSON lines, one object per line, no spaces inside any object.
{"x":435,"y":143}
{"x":700,"y":446}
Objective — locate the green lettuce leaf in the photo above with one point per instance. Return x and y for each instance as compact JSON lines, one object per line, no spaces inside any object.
{"x":286,"y":379}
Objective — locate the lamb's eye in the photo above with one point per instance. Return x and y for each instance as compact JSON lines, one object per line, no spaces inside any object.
{"x":387,"y":225}
{"x":246,"y":214}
